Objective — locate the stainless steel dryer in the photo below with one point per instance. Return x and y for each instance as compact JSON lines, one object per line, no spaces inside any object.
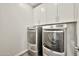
{"x":34,"y":36}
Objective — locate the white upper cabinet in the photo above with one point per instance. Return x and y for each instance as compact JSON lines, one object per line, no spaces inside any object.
{"x":43,"y":13}
{"x":36,"y":16}
{"x":51,"y":13}
{"x":40,"y":14}
{"x":77,"y":10}
{"x":66,"y":11}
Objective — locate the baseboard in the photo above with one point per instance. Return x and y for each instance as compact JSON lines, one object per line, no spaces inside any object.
{"x":21,"y":53}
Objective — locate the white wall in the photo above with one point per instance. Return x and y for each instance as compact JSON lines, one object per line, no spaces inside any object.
{"x":13,"y":21}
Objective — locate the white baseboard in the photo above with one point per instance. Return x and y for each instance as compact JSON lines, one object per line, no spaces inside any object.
{"x":22,"y":52}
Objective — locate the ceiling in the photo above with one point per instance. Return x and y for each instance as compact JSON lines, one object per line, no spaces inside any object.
{"x":34,"y":4}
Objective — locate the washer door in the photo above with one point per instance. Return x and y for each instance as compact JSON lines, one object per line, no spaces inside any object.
{"x":54,"y":40}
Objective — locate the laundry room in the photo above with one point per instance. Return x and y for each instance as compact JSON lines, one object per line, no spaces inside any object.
{"x":39,"y":29}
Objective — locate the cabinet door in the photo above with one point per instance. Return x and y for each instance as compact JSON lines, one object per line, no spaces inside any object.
{"x":77,"y":10}
{"x":66,"y":11}
{"x":43,"y":13}
{"x":51,"y":12}
{"x":36,"y":16}
{"x":40,"y":14}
